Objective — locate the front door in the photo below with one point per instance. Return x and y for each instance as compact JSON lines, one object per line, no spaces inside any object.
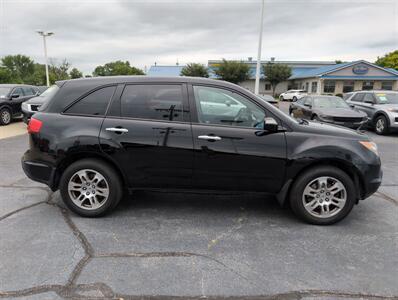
{"x":17,"y":97}
{"x":232,"y":151}
{"x":147,"y":132}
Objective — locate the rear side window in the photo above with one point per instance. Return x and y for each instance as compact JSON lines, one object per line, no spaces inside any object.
{"x":28,"y":91}
{"x":358,"y":97}
{"x":155,"y":102}
{"x":94,"y":104}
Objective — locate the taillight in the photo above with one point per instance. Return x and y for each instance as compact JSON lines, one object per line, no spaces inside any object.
{"x":34,"y":125}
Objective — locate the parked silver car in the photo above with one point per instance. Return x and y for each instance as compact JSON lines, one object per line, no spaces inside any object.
{"x":380,"y":106}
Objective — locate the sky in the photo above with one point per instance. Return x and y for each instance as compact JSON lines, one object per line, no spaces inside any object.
{"x":93,"y":32}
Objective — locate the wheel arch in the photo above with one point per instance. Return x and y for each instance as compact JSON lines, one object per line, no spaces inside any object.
{"x":378,"y":114}
{"x":348,"y":168}
{"x":70,"y":159}
{"x":5,"y":105}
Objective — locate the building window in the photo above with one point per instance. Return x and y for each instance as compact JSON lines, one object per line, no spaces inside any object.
{"x":386,"y":85}
{"x":367,"y":85}
{"x":348,"y":86}
{"x":307,"y":86}
{"x":329,"y":86}
{"x":267,"y":86}
{"x":314,"y":86}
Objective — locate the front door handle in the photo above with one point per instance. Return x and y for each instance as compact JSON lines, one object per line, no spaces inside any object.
{"x":117,"y":130}
{"x":211,"y":138}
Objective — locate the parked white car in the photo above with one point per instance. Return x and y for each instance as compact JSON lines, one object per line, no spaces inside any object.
{"x":292,"y":95}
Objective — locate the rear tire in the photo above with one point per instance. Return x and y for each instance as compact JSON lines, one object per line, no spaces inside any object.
{"x":90,"y":188}
{"x":381,"y":125}
{"x":322,"y":195}
{"x":294,"y":99}
{"x":5,"y":116}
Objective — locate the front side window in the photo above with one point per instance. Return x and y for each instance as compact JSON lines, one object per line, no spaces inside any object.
{"x":17,"y":92}
{"x":223,"y":107}
{"x":329,"y":86}
{"x":28,"y":91}
{"x":308,"y":101}
{"x":93,"y":104}
{"x":368,"y":98}
{"x":358,"y":97}
{"x":154,"y":102}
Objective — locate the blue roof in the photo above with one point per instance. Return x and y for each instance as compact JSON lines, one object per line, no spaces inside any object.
{"x":165,"y":71}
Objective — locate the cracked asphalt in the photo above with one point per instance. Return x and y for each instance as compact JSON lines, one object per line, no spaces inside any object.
{"x":193,"y":246}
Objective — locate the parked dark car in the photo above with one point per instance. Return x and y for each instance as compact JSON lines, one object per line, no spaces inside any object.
{"x":101,"y":137}
{"x":328,"y":109}
{"x":11,"y":98}
{"x":33,"y":105}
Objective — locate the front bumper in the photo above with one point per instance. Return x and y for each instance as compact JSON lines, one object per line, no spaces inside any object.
{"x":38,"y":171}
{"x":393,"y":118}
{"x":371,"y":180}
{"x":353,"y":125}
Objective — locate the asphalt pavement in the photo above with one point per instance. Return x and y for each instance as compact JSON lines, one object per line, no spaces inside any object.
{"x":193,"y":246}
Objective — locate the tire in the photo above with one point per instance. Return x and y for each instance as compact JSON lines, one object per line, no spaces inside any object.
{"x":105,"y":188}
{"x":5,"y":116}
{"x":294,"y":99}
{"x":381,"y":125}
{"x":315,"y":118}
{"x":281,"y":98}
{"x":323,"y":197}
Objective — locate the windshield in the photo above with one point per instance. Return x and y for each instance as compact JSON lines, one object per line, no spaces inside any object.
{"x":4,"y":91}
{"x":387,"y":98}
{"x":330,"y":102}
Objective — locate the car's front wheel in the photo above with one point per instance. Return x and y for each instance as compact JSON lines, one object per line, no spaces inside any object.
{"x":381,"y":125}
{"x":90,"y":188}
{"x":322,"y":195}
{"x":5,"y":116}
{"x":281,"y":98}
{"x":294,"y":99}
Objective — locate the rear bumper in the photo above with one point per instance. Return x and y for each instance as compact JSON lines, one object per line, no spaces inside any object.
{"x":38,"y":171}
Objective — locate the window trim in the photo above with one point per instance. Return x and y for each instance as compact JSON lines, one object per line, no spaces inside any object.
{"x":64,"y":112}
{"x":194,"y":115}
{"x":185,"y":102}
{"x":18,"y":87}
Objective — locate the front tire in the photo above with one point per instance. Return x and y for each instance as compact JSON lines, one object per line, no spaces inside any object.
{"x":5,"y":116}
{"x":294,"y":99}
{"x":281,"y":98}
{"x":90,"y":188}
{"x":381,"y":125}
{"x":322,"y":195}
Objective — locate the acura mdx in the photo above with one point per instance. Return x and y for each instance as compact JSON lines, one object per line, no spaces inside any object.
{"x":99,"y":138}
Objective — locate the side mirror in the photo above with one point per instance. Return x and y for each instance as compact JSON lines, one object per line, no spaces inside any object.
{"x":228,"y":103}
{"x":270,"y":124}
{"x":14,"y":96}
{"x":352,"y":105}
{"x":308,"y":105}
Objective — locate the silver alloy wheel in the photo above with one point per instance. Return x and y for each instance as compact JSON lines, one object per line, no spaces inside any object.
{"x":380,"y":125}
{"x":324,"y":197}
{"x":5,"y":116}
{"x":88,"y":189}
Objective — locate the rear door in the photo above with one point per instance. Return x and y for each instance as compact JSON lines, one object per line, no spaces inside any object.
{"x":232,"y":151}
{"x":147,"y":132}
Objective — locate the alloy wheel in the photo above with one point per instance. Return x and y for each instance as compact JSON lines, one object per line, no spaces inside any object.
{"x":380,"y":125}
{"x":88,"y":189}
{"x":324,"y":197}
{"x":5,"y":116}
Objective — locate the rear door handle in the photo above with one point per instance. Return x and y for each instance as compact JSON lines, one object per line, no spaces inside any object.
{"x":212,"y":138}
{"x":117,"y":130}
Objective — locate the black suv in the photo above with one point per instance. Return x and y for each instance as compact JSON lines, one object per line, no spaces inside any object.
{"x":98,"y":138}
{"x":11,"y":98}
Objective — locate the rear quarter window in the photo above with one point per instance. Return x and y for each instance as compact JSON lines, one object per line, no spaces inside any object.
{"x":94,"y":104}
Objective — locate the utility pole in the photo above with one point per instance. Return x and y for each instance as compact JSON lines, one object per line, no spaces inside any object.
{"x":44,"y":35}
{"x":257,"y":84}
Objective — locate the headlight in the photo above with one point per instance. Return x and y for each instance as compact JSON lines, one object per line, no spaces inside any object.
{"x":370,"y":146}
{"x":25,"y":106}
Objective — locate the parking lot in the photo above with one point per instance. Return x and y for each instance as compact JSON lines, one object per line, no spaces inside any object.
{"x":178,"y":246}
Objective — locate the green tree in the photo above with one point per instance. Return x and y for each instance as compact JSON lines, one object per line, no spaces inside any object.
{"x":195,"y":70}
{"x":5,"y":75}
{"x":75,"y":73}
{"x":20,"y":66}
{"x":389,"y":60}
{"x":117,"y":68}
{"x":276,"y":73}
{"x":233,"y":71}
{"x":38,"y":77}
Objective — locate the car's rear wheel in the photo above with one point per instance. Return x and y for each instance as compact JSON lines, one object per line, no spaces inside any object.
{"x":294,"y":99}
{"x":90,"y":188}
{"x":5,"y":116}
{"x":381,"y":125}
{"x":323,"y":195}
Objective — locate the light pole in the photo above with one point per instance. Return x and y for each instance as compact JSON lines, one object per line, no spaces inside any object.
{"x":257,"y":84}
{"x":45,"y":34}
